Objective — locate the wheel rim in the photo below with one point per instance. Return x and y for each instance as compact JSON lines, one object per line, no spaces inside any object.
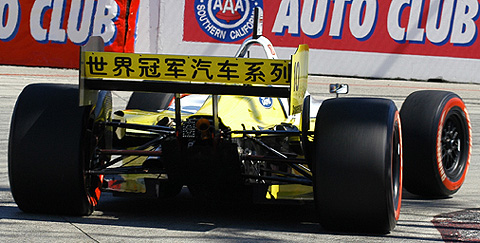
{"x":453,"y":141}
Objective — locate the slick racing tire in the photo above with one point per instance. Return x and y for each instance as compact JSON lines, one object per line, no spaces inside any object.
{"x":52,"y":141}
{"x":149,"y":101}
{"x":437,"y":142}
{"x":357,"y":167}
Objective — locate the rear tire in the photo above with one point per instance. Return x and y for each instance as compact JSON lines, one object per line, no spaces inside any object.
{"x":438,"y":142}
{"x":357,"y":166}
{"x":52,"y":141}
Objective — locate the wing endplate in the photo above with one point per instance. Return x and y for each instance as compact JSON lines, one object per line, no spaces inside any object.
{"x":299,"y":79}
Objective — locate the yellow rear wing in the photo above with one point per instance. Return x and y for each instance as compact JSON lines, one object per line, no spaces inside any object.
{"x":193,"y":74}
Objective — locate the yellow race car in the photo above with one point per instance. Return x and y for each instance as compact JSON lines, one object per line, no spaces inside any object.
{"x":231,"y":128}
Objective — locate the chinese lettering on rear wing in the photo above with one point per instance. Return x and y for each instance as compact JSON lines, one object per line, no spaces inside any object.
{"x":186,"y":68}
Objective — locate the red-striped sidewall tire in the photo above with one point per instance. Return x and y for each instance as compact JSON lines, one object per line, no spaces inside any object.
{"x":357,"y":165}
{"x":50,"y":149}
{"x":397,"y":166}
{"x":437,"y":143}
{"x":450,"y":183}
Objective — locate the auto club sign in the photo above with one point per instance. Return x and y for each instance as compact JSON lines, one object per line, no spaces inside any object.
{"x":48,"y":32}
{"x":420,"y":27}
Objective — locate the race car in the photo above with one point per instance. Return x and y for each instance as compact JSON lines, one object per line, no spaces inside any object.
{"x":232,"y":128}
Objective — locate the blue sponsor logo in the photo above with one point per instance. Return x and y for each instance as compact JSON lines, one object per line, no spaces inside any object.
{"x":226,"y":20}
{"x":266,"y":102}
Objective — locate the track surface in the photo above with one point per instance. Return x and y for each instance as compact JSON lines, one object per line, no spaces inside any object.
{"x":182,"y":219}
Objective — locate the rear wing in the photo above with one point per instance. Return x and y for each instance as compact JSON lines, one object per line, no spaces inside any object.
{"x":192,"y":74}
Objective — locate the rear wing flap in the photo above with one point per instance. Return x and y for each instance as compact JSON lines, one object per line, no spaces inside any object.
{"x":192,"y":74}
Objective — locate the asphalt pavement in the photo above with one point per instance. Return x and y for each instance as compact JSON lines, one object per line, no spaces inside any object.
{"x":182,"y":219}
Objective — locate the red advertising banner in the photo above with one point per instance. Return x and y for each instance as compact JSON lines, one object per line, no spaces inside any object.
{"x":49,"y":32}
{"x":444,"y":28}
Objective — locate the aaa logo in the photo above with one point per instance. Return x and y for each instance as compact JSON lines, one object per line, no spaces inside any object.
{"x":226,"y":20}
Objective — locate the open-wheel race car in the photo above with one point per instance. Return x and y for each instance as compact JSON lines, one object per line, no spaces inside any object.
{"x":231,"y":128}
